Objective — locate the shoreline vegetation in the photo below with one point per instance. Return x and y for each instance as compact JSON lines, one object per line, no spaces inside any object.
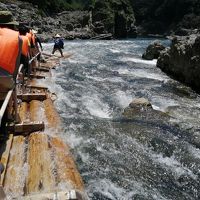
{"x":122,"y":18}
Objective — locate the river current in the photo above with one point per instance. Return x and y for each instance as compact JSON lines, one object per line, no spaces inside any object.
{"x":121,"y":159}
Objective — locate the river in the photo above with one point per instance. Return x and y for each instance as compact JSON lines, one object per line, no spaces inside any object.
{"x":142,"y":159}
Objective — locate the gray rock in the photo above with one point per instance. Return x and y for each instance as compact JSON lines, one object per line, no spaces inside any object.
{"x":141,"y":109}
{"x":139,"y":102}
{"x":182,"y":59}
{"x":153,"y":51}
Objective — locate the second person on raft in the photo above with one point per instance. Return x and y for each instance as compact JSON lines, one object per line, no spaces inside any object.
{"x":58,"y":44}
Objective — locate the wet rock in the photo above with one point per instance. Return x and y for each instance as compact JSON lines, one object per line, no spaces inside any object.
{"x":137,"y":107}
{"x":182,"y":59}
{"x":141,"y":109}
{"x":153,"y":51}
{"x":99,"y":27}
{"x":140,"y":102}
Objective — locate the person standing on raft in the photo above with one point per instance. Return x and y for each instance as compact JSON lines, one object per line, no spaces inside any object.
{"x":58,"y":45}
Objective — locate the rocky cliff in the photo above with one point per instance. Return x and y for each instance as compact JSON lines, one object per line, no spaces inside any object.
{"x":70,"y":24}
{"x":182,"y":60}
{"x":115,"y":16}
{"x":179,"y":17}
{"x":119,"y":17}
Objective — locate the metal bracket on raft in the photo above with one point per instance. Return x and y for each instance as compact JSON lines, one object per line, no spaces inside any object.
{"x":25,"y":128}
{"x":35,"y":96}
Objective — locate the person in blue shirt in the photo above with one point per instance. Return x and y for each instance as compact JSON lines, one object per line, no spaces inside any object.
{"x":58,"y":44}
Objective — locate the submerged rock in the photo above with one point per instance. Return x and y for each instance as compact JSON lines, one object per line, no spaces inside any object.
{"x":182,"y":59}
{"x":141,"y":108}
{"x":153,"y":51}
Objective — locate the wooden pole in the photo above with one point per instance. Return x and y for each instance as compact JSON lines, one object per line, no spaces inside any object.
{"x":5,"y":103}
{"x":15,"y":104}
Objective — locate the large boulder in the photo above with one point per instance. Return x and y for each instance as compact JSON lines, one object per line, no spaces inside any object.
{"x":182,"y":59}
{"x":153,"y":51}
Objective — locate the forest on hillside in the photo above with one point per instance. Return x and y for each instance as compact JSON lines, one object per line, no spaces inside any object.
{"x":60,"y":5}
{"x":149,"y":16}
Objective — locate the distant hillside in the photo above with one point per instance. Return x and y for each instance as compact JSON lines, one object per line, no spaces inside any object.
{"x":165,"y":16}
{"x":179,"y":17}
{"x":60,"y":5}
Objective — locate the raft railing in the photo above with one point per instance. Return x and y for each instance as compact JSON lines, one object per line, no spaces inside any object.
{"x":5,"y":104}
{"x":13,"y":92}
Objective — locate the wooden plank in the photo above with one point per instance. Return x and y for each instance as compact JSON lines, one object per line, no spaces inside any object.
{"x":5,"y":156}
{"x":37,"y":87}
{"x":17,"y":168}
{"x":23,"y":111}
{"x":40,"y":176}
{"x":35,"y":96}
{"x":37,"y":76}
{"x":52,"y":116}
{"x":26,"y":128}
{"x":67,"y":172}
{"x":43,"y":69}
{"x":36,"y":110}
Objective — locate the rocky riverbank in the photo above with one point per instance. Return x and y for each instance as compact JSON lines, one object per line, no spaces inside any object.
{"x":182,"y":59}
{"x":70,"y":24}
{"x":114,"y":17}
{"x":117,"y":17}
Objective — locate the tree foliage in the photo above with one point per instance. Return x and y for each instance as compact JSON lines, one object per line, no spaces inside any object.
{"x":60,"y":5}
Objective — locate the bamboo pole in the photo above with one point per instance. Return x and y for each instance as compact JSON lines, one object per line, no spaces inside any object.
{"x":5,"y":104}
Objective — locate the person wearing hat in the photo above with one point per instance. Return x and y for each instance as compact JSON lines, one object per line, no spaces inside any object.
{"x":25,"y":56}
{"x":37,"y":44}
{"x":58,"y":44}
{"x":10,"y":43}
